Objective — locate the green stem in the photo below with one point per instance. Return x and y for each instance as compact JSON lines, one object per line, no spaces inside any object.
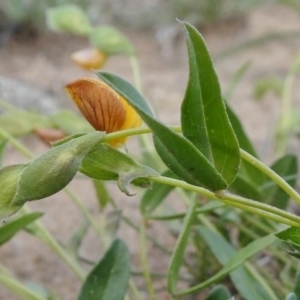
{"x":16,"y":287}
{"x":258,"y":208}
{"x":87,"y":214}
{"x":45,"y":234}
{"x":134,"y":290}
{"x":14,"y":142}
{"x":138,"y":229}
{"x":42,"y":232}
{"x":246,"y":156}
{"x":144,"y":261}
{"x":182,"y":215}
{"x":136,"y":72}
{"x":259,"y":224}
{"x":271,"y":174}
{"x":248,"y":266}
{"x":9,"y":107}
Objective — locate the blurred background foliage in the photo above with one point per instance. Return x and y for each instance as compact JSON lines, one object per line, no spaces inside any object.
{"x":141,"y":14}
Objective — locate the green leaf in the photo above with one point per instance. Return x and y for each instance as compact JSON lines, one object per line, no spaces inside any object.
{"x":110,"y":41}
{"x":240,"y":133}
{"x":154,"y":196}
{"x":290,"y":234}
{"x":9,"y":177}
{"x":3,"y":145}
{"x":109,"y":279}
{"x":286,"y":167}
{"x":107,"y":163}
{"x":219,"y":292}
{"x":246,"y":169}
{"x":102,"y":193}
{"x":70,"y":123}
{"x":178,"y":153}
{"x":68,"y":18}
{"x":125,"y":89}
{"x":53,"y":170}
{"x":297,"y":284}
{"x":8,"y":230}
{"x":290,"y":247}
{"x":291,"y":296}
{"x":203,"y":114}
{"x":248,"y":287}
{"x":178,"y":253}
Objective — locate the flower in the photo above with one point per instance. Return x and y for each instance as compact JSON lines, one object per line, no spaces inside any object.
{"x":89,"y":58}
{"x":104,"y":108}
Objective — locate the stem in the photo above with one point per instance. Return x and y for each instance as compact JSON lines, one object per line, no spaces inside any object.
{"x":248,"y":266}
{"x":138,"y":229}
{"x":144,"y":261}
{"x":16,"y":144}
{"x":9,"y":107}
{"x":15,"y":286}
{"x":252,"y":206}
{"x":136,"y":72}
{"x":246,"y":156}
{"x":87,"y":214}
{"x":134,"y":290}
{"x":48,"y":239}
{"x":182,"y":215}
{"x":271,"y":174}
{"x":44,"y":233}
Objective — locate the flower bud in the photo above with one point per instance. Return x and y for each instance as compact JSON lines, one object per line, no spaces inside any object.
{"x":89,"y":58}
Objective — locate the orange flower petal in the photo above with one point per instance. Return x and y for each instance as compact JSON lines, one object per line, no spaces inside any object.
{"x":89,"y":58}
{"x":99,"y":104}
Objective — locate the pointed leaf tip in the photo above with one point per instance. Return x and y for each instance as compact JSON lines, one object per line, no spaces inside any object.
{"x":203,"y":114}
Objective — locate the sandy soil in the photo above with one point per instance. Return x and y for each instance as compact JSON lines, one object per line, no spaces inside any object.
{"x":43,"y":66}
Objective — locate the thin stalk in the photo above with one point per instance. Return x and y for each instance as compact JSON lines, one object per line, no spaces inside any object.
{"x":87,"y":214}
{"x":258,"y":278}
{"x":181,"y":215}
{"x":134,"y":290}
{"x":259,"y":224}
{"x":144,"y":261}
{"x":44,"y":234}
{"x":285,"y":125}
{"x":255,"y":207}
{"x":271,"y":174}
{"x":16,"y":144}
{"x":247,"y":265}
{"x":49,"y":240}
{"x":137,"y":229}
{"x":258,"y":41}
{"x":246,"y":156}
{"x":136,"y":72}
{"x":16,"y":287}
{"x":272,"y":251}
{"x":9,"y":107}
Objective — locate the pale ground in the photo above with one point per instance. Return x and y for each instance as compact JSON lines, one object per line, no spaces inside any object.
{"x":43,"y":65}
